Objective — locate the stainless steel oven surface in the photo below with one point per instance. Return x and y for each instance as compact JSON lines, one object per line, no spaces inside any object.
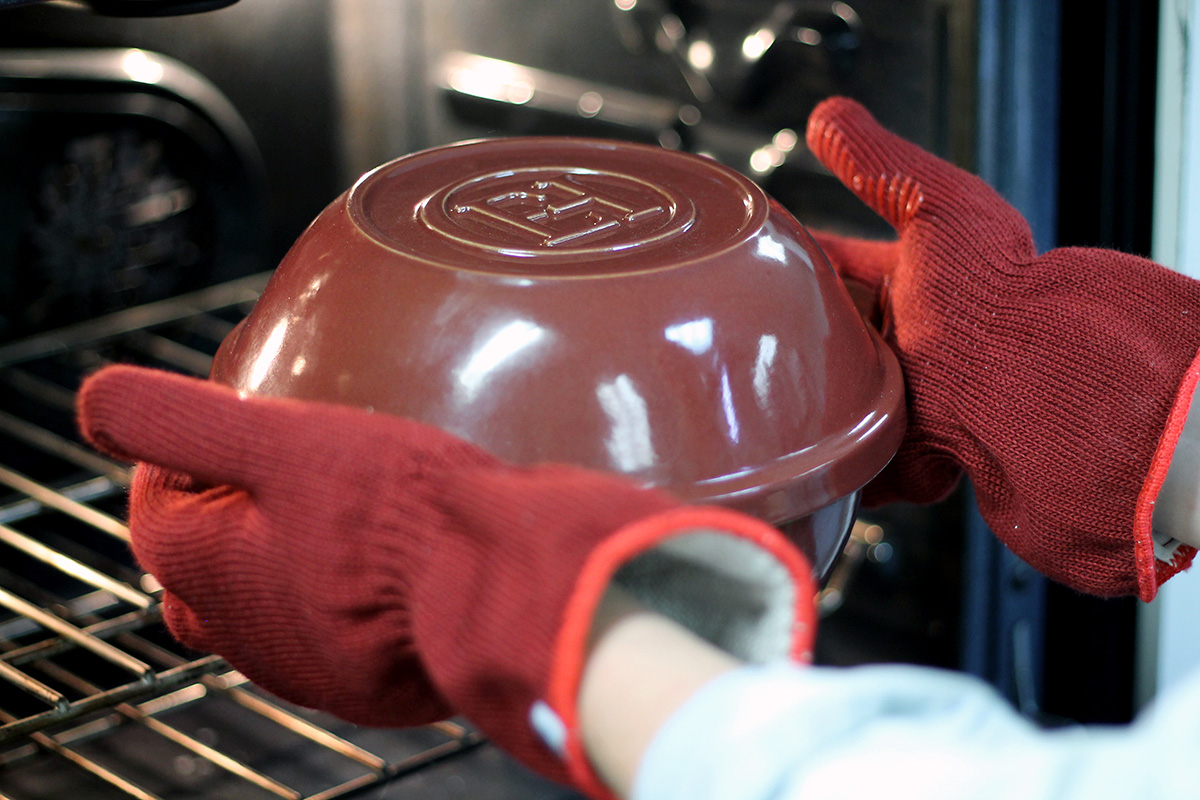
{"x":153,"y":170}
{"x":731,"y":78}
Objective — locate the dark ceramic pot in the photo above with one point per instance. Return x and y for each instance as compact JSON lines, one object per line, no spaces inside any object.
{"x":611,"y":305}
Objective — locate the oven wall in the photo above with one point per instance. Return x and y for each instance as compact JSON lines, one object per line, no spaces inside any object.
{"x":273,"y":59}
{"x":330,"y":88}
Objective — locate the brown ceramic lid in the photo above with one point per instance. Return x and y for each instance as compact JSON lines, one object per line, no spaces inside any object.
{"x":612,"y":305}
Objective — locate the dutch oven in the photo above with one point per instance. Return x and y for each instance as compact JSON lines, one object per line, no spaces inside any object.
{"x":617,"y":306}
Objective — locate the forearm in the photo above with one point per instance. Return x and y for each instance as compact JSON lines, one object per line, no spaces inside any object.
{"x":666,"y":715}
{"x":641,"y":668}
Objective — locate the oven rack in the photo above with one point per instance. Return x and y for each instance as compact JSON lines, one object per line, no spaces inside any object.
{"x":84,"y":658}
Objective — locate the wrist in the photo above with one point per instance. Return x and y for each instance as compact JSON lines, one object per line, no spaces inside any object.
{"x":641,"y":667}
{"x":1166,"y":519}
{"x":694,"y":573}
{"x":1177,"y":507}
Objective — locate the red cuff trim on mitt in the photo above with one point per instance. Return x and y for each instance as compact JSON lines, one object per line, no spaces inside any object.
{"x":566,"y":671}
{"x":1151,"y":572}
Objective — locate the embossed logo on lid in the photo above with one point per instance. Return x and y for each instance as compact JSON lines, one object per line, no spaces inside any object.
{"x":556,"y":209}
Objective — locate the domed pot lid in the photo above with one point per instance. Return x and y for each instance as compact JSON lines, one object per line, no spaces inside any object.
{"x":611,"y":305}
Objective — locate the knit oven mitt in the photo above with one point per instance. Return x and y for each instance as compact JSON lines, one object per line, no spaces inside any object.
{"x":390,"y":573}
{"x":1059,"y":383}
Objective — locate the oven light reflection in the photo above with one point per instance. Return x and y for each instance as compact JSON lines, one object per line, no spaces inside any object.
{"x":629,"y":444}
{"x":768,"y":346}
{"x":696,"y":336}
{"x":311,"y":290}
{"x":508,"y":84}
{"x":867,"y":426}
{"x":700,"y":55}
{"x":731,"y":420}
{"x":140,"y":67}
{"x":267,"y":355}
{"x":501,"y":347}
{"x":757,"y":43}
{"x":772,"y":249}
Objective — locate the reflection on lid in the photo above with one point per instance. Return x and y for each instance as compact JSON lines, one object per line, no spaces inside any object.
{"x":502,"y":346}
{"x":264,"y":360}
{"x":696,"y":335}
{"x":772,"y":249}
{"x":731,"y":420}
{"x":629,"y":444}
{"x":768,"y":345}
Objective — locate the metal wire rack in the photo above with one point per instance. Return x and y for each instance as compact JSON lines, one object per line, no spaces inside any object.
{"x":91,"y":687}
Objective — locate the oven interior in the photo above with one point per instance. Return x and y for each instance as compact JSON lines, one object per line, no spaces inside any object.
{"x":154,"y":170}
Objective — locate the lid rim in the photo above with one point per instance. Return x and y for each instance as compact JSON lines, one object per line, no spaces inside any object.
{"x":837,"y":457}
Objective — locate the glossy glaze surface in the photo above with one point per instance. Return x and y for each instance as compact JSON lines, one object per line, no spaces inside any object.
{"x":611,"y":305}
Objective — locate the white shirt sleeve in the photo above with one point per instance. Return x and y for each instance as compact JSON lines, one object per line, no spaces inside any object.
{"x":905,"y":733}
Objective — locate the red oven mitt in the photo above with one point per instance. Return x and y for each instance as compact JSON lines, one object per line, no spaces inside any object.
{"x":1059,"y":383}
{"x":390,"y":573}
